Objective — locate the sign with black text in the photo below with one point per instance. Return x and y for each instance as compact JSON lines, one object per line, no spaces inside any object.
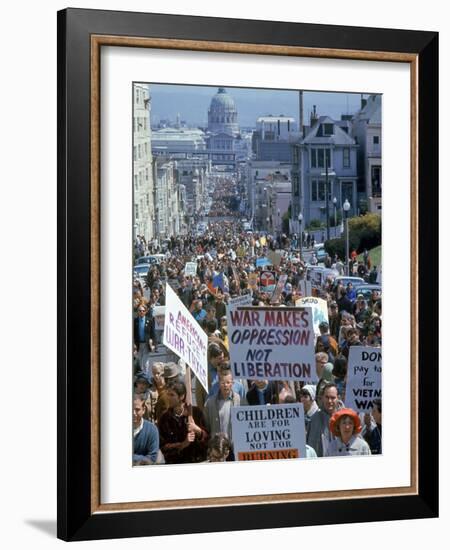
{"x":363,"y":378}
{"x":268,"y":432}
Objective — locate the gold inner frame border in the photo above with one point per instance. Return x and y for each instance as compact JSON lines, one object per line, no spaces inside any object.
{"x":97,"y":41}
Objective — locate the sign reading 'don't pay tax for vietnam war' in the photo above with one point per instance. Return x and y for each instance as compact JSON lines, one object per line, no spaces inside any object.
{"x":272,"y":343}
{"x":363,"y":378}
{"x":185,"y":337}
{"x":268,"y":432}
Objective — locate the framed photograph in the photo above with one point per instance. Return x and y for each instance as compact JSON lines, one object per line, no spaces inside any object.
{"x":225,"y":245}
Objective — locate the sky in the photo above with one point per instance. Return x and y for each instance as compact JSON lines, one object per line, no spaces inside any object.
{"x":192,"y":103}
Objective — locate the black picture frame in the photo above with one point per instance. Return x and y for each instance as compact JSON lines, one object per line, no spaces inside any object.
{"x":76,"y":476}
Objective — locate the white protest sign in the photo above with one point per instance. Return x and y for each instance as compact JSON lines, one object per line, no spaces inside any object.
{"x":274,"y":257}
{"x":363,"y":378}
{"x":244,"y":300}
{"x":190,"y":269}
{"x":268,"y":433}
{"x":319,"y":308}
{"x":278,"y":289}
{"x":159,"y":313}
{"x":185,"y":337}
{"x":272,"y":343}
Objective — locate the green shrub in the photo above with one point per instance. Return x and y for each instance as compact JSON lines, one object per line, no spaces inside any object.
{"x":364,"y":232}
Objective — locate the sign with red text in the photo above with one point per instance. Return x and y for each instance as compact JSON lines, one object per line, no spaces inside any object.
{"x":268,"y":433}
{"x":272,"y":343}
{"x":185,"y":337}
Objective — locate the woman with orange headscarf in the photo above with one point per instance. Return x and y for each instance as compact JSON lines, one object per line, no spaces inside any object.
{"x":345,"y":425}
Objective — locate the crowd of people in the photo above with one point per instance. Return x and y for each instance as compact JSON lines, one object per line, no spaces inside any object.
{"x":172,"y":424}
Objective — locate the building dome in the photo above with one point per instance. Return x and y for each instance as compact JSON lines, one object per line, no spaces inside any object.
{"x":222,"y":114}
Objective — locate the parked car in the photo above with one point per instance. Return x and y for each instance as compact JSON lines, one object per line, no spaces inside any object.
{"x":344,"y":279}
{"x":152,"y":259}
{"x":140,"y":272}
{"x":366,"y":290}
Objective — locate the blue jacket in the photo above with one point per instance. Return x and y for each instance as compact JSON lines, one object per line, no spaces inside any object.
{"x":146,"y":443}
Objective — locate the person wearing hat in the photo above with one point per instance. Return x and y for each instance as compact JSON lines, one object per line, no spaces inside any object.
{"x":345,"y":425}
{"x":307,"y":399}
{"x":172,"y":373}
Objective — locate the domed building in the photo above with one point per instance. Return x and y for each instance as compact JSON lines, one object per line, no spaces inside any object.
{"x":222,"y":114}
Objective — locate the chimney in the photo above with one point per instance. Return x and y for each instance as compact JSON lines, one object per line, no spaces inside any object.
{"x":314,"y":118}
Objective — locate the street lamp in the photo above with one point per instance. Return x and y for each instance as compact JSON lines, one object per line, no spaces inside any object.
{"x":346,"y":207}
{"x":300,"y":220}
{"x":335,"y":218}
{"x":279,"y":221}
{"x":327,"y":174}
{"x":267,"y":224}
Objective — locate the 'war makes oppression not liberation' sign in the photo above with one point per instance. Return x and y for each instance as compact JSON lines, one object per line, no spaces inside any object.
{"x":272,"y":343}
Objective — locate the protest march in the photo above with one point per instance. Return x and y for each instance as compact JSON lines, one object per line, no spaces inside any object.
{"x":246,"y":349}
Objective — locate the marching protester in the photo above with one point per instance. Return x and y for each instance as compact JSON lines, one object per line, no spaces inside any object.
{"x":346,"y":427}
{"x":145,"y":437}
{"x":319,"y":435}
{"x":182,"y":429}
{"x":372,"y":428}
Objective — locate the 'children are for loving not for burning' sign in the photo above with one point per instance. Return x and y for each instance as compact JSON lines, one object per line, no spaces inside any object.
{"x":268,"y":432}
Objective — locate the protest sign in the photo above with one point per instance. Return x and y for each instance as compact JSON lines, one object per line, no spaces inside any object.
{"x":315,"y":276}
{"x":319,"y":308}
{"x":263,"y":241}
{"x":190,"y":269}
{"x":262,"y":262}
{"x":272,"y":343}
{"x":267,"y":278}
{"x":268,"y":433}
{"x":159,"y":313}
{"x":245,"y":300}
{"x":275,"y":258}
{"x":363,"y":378}
{"x":278,"y":289}
{"x":253,"y":281}
{"x":185,"y":337}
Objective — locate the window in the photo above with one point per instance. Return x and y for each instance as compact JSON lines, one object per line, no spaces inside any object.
{"x":376,"y":140}
{"x":346,"y":159}
{"x":376,"y":181}
{"x":318,"y":191}
{"x":318,"y":157}
{"x":328,"y":129}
